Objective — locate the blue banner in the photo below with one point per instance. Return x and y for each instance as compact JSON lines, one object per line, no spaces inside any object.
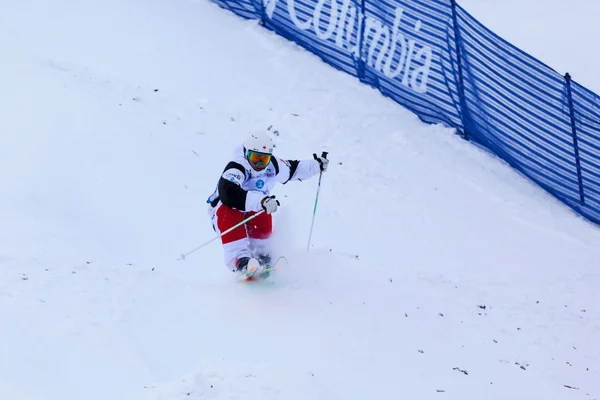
{"x":435,"y":59}
{"x":517,"y":108}
{"x":329,"y":29}
{"x":407,"y":54}
{"x":250,"y":9}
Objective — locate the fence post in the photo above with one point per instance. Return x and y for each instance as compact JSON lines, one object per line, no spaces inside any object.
{"x":575,"y":142}
{"x":261,"y":20}
{"x":461,"y":82}
{"x":361,"y":30}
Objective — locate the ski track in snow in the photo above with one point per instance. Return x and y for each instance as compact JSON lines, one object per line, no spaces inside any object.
{"x":436,"y":271}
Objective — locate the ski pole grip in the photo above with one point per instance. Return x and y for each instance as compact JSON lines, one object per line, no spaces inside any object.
{"x":324,"y":155}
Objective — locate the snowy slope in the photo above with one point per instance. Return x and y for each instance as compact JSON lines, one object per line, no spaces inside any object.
{"x":430,"y":258}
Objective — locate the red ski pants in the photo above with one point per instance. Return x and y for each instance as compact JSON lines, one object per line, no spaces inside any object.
{"x":260,"y":227}
{"x":245,"y":240}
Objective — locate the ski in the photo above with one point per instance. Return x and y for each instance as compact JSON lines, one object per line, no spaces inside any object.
{"x":256,"y":272}
{"x":279,"y":263}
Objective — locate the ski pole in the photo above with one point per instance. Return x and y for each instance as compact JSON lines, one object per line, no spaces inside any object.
{"x":183,"y":256}
{"x":324,"y":155}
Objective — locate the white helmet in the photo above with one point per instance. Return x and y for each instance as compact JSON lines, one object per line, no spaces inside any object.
{"x":259,"y":142}
{"x":258,"y":148}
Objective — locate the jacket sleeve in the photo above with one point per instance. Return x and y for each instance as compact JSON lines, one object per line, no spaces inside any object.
{"x":231,"y":192}
{"x":297,"y":170}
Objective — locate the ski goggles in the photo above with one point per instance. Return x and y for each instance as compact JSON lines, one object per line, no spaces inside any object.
{"x":259,"y":160}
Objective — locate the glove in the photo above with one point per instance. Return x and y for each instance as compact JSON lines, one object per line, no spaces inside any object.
{"x":269,"y":204}
{"x":323,"y":161}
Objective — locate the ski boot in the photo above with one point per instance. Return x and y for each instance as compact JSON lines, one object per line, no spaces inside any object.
{"x":249,"y":267}
{"x":265,"y":261}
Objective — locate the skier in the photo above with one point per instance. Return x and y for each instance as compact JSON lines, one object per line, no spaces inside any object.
{"x":243,"y":190}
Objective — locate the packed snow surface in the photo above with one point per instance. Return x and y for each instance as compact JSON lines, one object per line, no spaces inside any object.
{"x":435,"y":271}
